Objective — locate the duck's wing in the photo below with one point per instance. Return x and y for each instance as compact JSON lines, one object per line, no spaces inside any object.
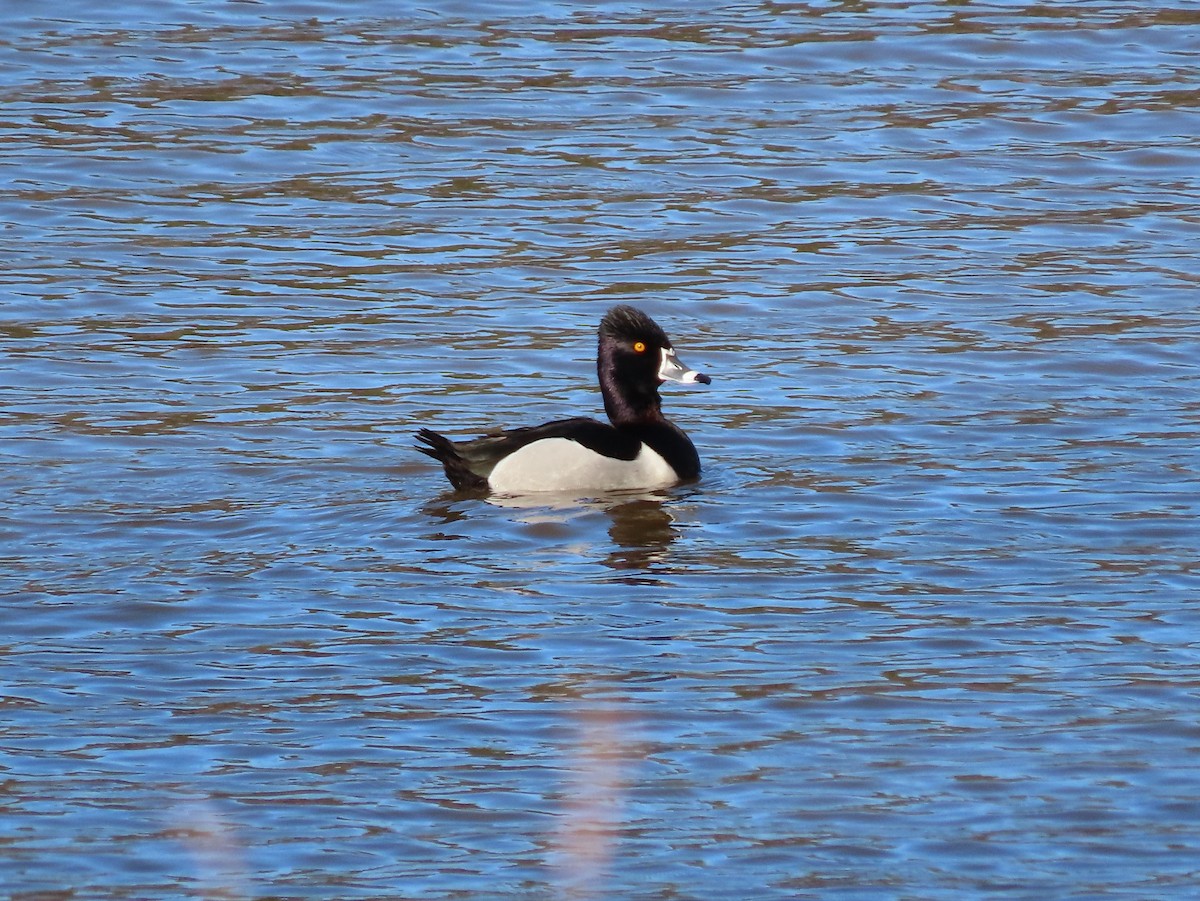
{"x":469,"y":463}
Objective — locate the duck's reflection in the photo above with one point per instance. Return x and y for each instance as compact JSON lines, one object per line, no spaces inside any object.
{"x":642,"y":532}
{"x":641,"y":525}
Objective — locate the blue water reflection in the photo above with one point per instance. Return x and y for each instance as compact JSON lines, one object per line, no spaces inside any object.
{"x":925,"y":628}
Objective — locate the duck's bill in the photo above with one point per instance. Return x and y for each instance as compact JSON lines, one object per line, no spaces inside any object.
{"x":673,"y":370}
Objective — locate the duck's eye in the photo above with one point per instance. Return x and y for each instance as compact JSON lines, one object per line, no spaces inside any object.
{"x":639,"y":346}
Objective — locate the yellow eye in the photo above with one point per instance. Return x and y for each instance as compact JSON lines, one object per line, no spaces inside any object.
{"x":639,"y":346}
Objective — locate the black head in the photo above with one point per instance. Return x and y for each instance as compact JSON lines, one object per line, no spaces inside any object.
{"x":635,"y":357}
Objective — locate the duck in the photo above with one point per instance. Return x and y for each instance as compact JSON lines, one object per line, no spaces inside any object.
{"x":638,"y":448}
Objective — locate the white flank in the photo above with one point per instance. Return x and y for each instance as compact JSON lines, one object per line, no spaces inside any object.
{"x":560,"y":464}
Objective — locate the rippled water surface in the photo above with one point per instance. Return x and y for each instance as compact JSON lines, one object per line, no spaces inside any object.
{"x":927,"y":628}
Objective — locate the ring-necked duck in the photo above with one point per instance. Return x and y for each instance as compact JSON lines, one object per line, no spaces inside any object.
{"x":641,"y":449}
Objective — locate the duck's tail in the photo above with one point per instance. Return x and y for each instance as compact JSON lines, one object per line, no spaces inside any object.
{"x":446,"y":452}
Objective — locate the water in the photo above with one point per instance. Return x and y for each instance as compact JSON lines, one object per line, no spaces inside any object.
{"x":925,"y":629}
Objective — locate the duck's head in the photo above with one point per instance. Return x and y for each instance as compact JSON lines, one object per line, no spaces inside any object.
{"x":635,"y":357}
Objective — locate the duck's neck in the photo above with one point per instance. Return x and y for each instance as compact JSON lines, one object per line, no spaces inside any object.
{"x":629,"y":404}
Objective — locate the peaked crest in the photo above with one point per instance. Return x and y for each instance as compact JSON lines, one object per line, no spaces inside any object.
{"x":626,"y":323}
